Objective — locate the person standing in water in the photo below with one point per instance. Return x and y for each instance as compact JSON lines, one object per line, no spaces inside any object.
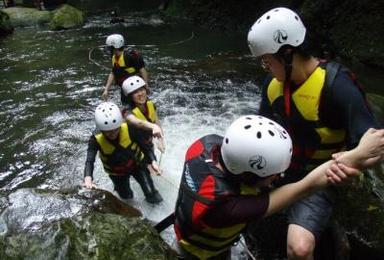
{"x":124,"y":65}
{"x":142,"y":112}
{"x":122,"y":153}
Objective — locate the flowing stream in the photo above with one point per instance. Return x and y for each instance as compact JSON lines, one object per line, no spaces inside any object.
{"x":200,"y":81}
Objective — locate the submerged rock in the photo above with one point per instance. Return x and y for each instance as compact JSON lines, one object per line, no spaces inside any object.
{"x":66,"y":17}
{"x":75,"y":224}
{"x":5,"y":25}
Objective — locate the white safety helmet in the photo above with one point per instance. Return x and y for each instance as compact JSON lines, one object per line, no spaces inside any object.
{"x":274,"y":29}
{"x":108,"y":116}
{"x":115,"y":40}
{"x":256,"y":144}
{"x":131,"y":84}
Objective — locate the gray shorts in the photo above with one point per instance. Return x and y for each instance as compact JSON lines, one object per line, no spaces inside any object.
{"x":313,"y":213}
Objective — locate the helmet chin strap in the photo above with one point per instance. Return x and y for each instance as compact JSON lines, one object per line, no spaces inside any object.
{"x":288,"y":58}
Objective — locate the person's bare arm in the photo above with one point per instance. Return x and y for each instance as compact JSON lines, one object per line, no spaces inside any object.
{"x":144,"y":74}
{"x":160,"y":143}
{"x":110,"y":80}
{"x":369,"y":151}
{"x":145,"y":125}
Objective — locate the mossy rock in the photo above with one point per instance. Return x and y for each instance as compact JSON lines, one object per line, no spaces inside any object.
{"x":377,"y":104}
{"x":66,"y":17}
{"x":5,"y":25}
{"x":23,"y":16}
{"x":75,"y":224}
{"x":94,"y":236}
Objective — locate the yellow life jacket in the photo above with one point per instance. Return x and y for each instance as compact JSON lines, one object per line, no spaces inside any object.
{"x":120,"y":159}
{"x":151,"y":112}
{"x":306,"y":99}
{"x":121,"y":70}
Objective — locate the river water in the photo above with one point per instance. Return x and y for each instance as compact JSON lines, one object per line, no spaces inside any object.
{"x":49,"y":90}
{"x":200,"y":81}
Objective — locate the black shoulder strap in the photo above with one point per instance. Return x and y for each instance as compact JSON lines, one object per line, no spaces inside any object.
{"x":332,"y":68}
{"x":195,"y":195}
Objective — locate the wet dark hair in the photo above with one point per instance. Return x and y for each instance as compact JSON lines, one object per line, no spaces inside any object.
{"x":303,"y":50}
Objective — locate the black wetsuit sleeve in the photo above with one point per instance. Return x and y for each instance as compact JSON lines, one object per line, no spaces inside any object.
{"x":91,"y":156}
{"x":239,"y":209}
{"x":265,"y":106}
{"x":350,"y":108}
{"x":149,"y":154}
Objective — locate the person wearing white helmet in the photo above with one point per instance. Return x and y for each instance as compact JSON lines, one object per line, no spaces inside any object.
{"x":125,"y":63}
{"x":142,"y":112}
{"x":318,"y":102}
{"x":219,"y":190}
{"x":122,"y":153}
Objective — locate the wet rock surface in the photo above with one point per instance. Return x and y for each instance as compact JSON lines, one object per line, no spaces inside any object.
{"x":75,"y":224}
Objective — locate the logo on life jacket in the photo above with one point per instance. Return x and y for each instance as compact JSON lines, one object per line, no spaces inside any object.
{"x":257,"y":162}
{"x":280,"y":36}
{"x":191,"y":184}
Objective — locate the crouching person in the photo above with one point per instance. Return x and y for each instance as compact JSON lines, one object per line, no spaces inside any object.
{"x":122,"y":153}
{"x":219,"y":195}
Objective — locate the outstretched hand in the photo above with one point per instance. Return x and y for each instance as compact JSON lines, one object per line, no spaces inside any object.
{"x":154,"y":167}
{"x":88,"y":183}
{"x":369,"y":152}
{"x":104,"y":95}
{"x":160,"y":145}
{"x":371,"y":148}
{"x":156,"y":131}
{"x":338,"y":173}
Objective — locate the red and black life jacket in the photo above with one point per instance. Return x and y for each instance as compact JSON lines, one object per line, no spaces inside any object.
{"x":202,"y":187}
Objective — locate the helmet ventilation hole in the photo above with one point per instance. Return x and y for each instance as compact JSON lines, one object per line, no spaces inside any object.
{"x":258,"y":135}
{"x":248,"y":118}
{"x":114,"y":121}
{"x":247,"y":126}
{"x":271,"y":133}
{"x":226,"y":140}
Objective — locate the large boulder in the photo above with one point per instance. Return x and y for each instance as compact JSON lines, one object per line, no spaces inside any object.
{"x":5,"y":25}
{"x":23,"y":16}
{"x":75,"y":224}
{"x":66,"y":17}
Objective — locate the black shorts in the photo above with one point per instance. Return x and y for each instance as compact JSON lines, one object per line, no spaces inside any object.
{"x":313,"y":213}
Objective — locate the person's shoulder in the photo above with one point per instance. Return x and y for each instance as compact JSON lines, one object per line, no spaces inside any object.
{"x":134,"y":53}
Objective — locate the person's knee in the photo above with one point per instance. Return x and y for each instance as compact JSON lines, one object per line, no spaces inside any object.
{"x":301,"y":249}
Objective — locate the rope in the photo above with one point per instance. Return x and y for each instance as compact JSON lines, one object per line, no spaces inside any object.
{"x":93,"y":61}
{"x":247,"y":250}
{"x":162,"y":176}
